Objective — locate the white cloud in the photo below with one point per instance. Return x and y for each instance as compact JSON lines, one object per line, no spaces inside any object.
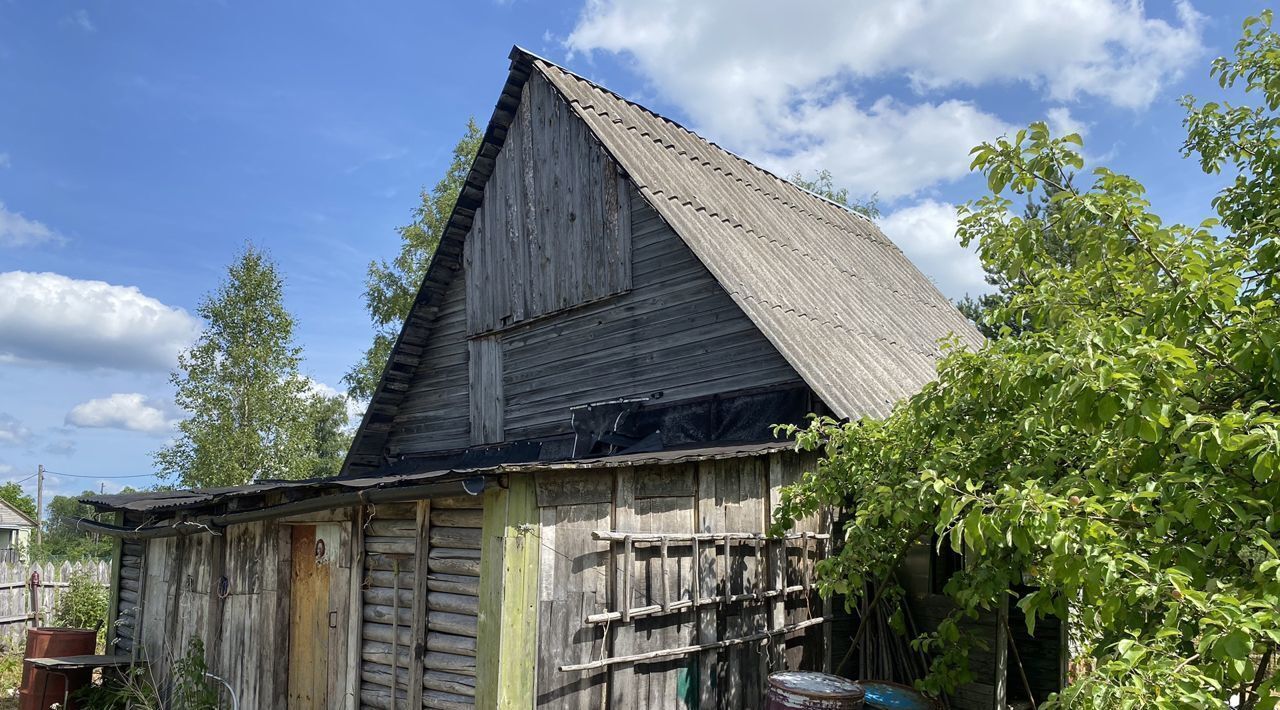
{"x":782,"y":82}
{"x":47,"y":317}
{"x":4,"y":160}
{"x":1062,"y":122}
{"x":890,"y":148}
{"x":12,"y":431}
{"x":80,"y":18}
{"x":926,"y":234}
{"x":18,"y":231}
{"x":130,"y":411}
{"x":355,"y":407}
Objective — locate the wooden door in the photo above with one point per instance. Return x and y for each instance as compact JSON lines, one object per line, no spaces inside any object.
{"x":309,"y":622}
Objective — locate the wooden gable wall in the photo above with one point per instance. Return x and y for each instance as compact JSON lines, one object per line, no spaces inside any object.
{"x":611,"y":303}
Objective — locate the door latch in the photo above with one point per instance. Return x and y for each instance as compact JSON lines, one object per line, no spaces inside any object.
{"x":333,"y":619}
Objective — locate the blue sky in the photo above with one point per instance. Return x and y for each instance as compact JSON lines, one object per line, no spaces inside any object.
{"x":142,"y":143}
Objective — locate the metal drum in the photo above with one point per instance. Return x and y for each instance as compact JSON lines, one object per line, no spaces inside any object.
{"x":40,"y":688}
{"x":795,"y":690}
{"x":884,"y":695}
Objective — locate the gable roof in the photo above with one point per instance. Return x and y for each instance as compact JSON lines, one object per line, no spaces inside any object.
{"x":11,"y":518}
{"x":845,"y":307}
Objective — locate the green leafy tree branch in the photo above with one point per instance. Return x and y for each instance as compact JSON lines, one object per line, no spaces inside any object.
{"x":1122,"y":450}
{"x":251,"y":413}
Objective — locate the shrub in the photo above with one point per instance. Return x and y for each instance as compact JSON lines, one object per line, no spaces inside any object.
{"x":191,"y":687}
{"x":83,"y":605}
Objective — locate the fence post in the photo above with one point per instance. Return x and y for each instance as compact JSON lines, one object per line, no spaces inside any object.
{"x":34,"y":611}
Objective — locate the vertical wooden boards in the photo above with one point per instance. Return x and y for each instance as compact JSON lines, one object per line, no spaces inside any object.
{"x":421,"y":551}
{"x":574,"y":582}
{"x":341,"y":674}
{"x":709,"y":518}
{"x":654,"y":499}
{"x":732,"y":496}
{"x":355,"y":612}
{"x":230,"y":591}
{"x":487,"y":401}
{"x":154,"y":621}
{"x":807,"y":649}
{"x":508,"y":601}
{"x":308,"y":622}
{"x":778,"y":566}
{"x":550,"y":237}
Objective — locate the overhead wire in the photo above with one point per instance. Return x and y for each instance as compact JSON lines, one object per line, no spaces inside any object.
{"x":99,"y":478}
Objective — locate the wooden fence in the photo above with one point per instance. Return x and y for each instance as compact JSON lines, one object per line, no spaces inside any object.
{"x":20,"y":608}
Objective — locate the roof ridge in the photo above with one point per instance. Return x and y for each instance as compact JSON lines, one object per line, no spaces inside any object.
{"x":745,"y":181}
{"x":567,"y":72}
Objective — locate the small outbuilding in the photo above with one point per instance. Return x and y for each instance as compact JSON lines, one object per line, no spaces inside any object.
{"x":559,"y":494}
{"x":15,"y":533}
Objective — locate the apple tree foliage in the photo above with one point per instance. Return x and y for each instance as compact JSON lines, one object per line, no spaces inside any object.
{"x":1123,"y":454}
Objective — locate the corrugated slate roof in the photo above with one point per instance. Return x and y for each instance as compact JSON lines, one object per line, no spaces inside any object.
{"x":837,"y":298}
{"x":188,"y":500}
{"x":846,"y":308}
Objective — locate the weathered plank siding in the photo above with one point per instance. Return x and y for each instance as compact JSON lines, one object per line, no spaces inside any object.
{"x":573,"y":582}
{"x":434,"y":415}
{"x":582,"y":576}
{"x":669,"y":327}
{"x":676,"y":332}
{"x":548,"y":236}
{"x":485,"y":364}
{"x":245,"y":631}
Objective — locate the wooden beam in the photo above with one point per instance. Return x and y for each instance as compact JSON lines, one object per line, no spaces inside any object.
{"x":420,"y":573}
{"x":778,"y":566}
{"x":355,"y":612}
{"x":506,"y":668}
{"x":113,"y":611}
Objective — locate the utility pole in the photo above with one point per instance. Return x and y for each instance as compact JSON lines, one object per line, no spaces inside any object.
{"x":39,"y":504}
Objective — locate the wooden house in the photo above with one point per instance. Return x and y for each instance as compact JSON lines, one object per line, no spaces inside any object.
{"x":15,"y":533}
{"x":559,"y":492}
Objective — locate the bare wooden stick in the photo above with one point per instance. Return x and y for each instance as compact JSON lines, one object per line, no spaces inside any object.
{"x":884,"y":585}
{"x":685,"y":650}
{"x":628,"y":556}
{"x":682,"y":604}
{"x":695,"y":594}
{"x":666,"y":580}
{"x":1017,"y":658}
{"x":614,"y":536}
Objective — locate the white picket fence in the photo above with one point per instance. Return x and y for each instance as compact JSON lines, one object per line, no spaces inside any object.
{"x":19,"y":608}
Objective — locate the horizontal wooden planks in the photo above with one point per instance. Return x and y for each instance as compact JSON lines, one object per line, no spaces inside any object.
{"x":388,"y":603}
{"x":676,"y":331}
{"x":434,"y":413}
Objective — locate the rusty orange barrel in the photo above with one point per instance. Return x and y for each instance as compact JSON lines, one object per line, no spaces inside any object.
{"x":40,"y":688}
{"x":796,"y":690}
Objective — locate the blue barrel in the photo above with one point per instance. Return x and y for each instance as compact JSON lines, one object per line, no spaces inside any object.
{"x":797,"y":690}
